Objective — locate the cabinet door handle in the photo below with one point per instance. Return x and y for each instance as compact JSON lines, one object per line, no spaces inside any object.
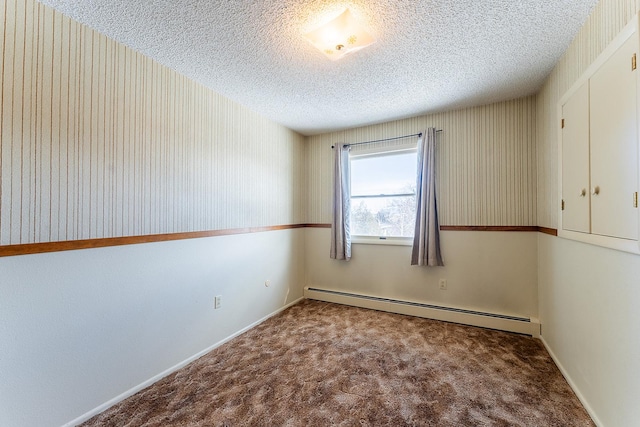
{"x":583,"y":192}
{"x":595,"y":191}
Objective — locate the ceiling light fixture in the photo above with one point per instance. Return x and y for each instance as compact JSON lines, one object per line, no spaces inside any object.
{"x":340,"y":36}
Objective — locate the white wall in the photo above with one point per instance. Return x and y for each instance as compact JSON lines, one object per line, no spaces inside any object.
{"x":485,"y":271}
{"x":486,"y":176}
{"x":79,"y":328}
{"x":591,"y":324}
{"x":587,"y":294}
{"x":98,"y":141}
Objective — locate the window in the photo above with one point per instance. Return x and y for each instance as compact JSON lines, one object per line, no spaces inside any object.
{"x":383,"y":194}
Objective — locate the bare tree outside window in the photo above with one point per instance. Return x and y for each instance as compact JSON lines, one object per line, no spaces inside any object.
{"x":385,"y":216}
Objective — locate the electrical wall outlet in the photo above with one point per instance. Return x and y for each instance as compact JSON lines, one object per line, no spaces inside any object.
{"x":217,"y":302}
{"x":443,"y":284}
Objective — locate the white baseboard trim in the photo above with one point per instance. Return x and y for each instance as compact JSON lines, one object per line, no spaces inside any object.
{"x":527,"y":326}
{"x":171,"y":370}
{"x":573,"y":386}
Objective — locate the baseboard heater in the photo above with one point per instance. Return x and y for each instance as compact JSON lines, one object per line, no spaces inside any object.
{"x":522,"y":325}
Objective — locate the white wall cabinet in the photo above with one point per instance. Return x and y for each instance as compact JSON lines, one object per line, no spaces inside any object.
{"x":575,"y":162}
{"x":599,"y":179}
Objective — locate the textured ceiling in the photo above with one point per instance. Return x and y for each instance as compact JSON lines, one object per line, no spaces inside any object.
{"x":430,"y":55}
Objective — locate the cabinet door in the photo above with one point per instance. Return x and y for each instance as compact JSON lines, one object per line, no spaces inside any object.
{"x":575,"y":161}
{"x":614,"y":145}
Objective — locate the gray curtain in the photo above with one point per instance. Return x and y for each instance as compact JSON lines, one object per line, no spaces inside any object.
{"x":341,"y":221}
{"x":426,"y":239}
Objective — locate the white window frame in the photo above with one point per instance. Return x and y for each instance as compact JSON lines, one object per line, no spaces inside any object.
{"x":381,"y":152}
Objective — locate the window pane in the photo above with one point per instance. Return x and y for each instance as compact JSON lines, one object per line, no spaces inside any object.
{"x":389,"y":174}
{"x":383,"y":216}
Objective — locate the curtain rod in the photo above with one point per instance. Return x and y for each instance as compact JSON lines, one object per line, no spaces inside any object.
{"x":387,"y":139}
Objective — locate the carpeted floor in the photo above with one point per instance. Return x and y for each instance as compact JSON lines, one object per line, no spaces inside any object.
{"x":321,"y":364}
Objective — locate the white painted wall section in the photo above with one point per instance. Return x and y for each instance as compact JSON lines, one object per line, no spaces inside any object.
{"x":486,"y":271}
{"x":591,"y":324}
{"x":79,"y":328}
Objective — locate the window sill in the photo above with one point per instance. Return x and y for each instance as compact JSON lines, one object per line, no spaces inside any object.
{"x":375,"y":240}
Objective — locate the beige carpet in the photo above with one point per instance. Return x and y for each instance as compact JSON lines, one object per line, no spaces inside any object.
{"x":321,"y":364}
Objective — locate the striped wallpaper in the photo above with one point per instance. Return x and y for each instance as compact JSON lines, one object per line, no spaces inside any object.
{"x":604,"y":23}
{"x":486,"y":163}
{"x":99,"y":141}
